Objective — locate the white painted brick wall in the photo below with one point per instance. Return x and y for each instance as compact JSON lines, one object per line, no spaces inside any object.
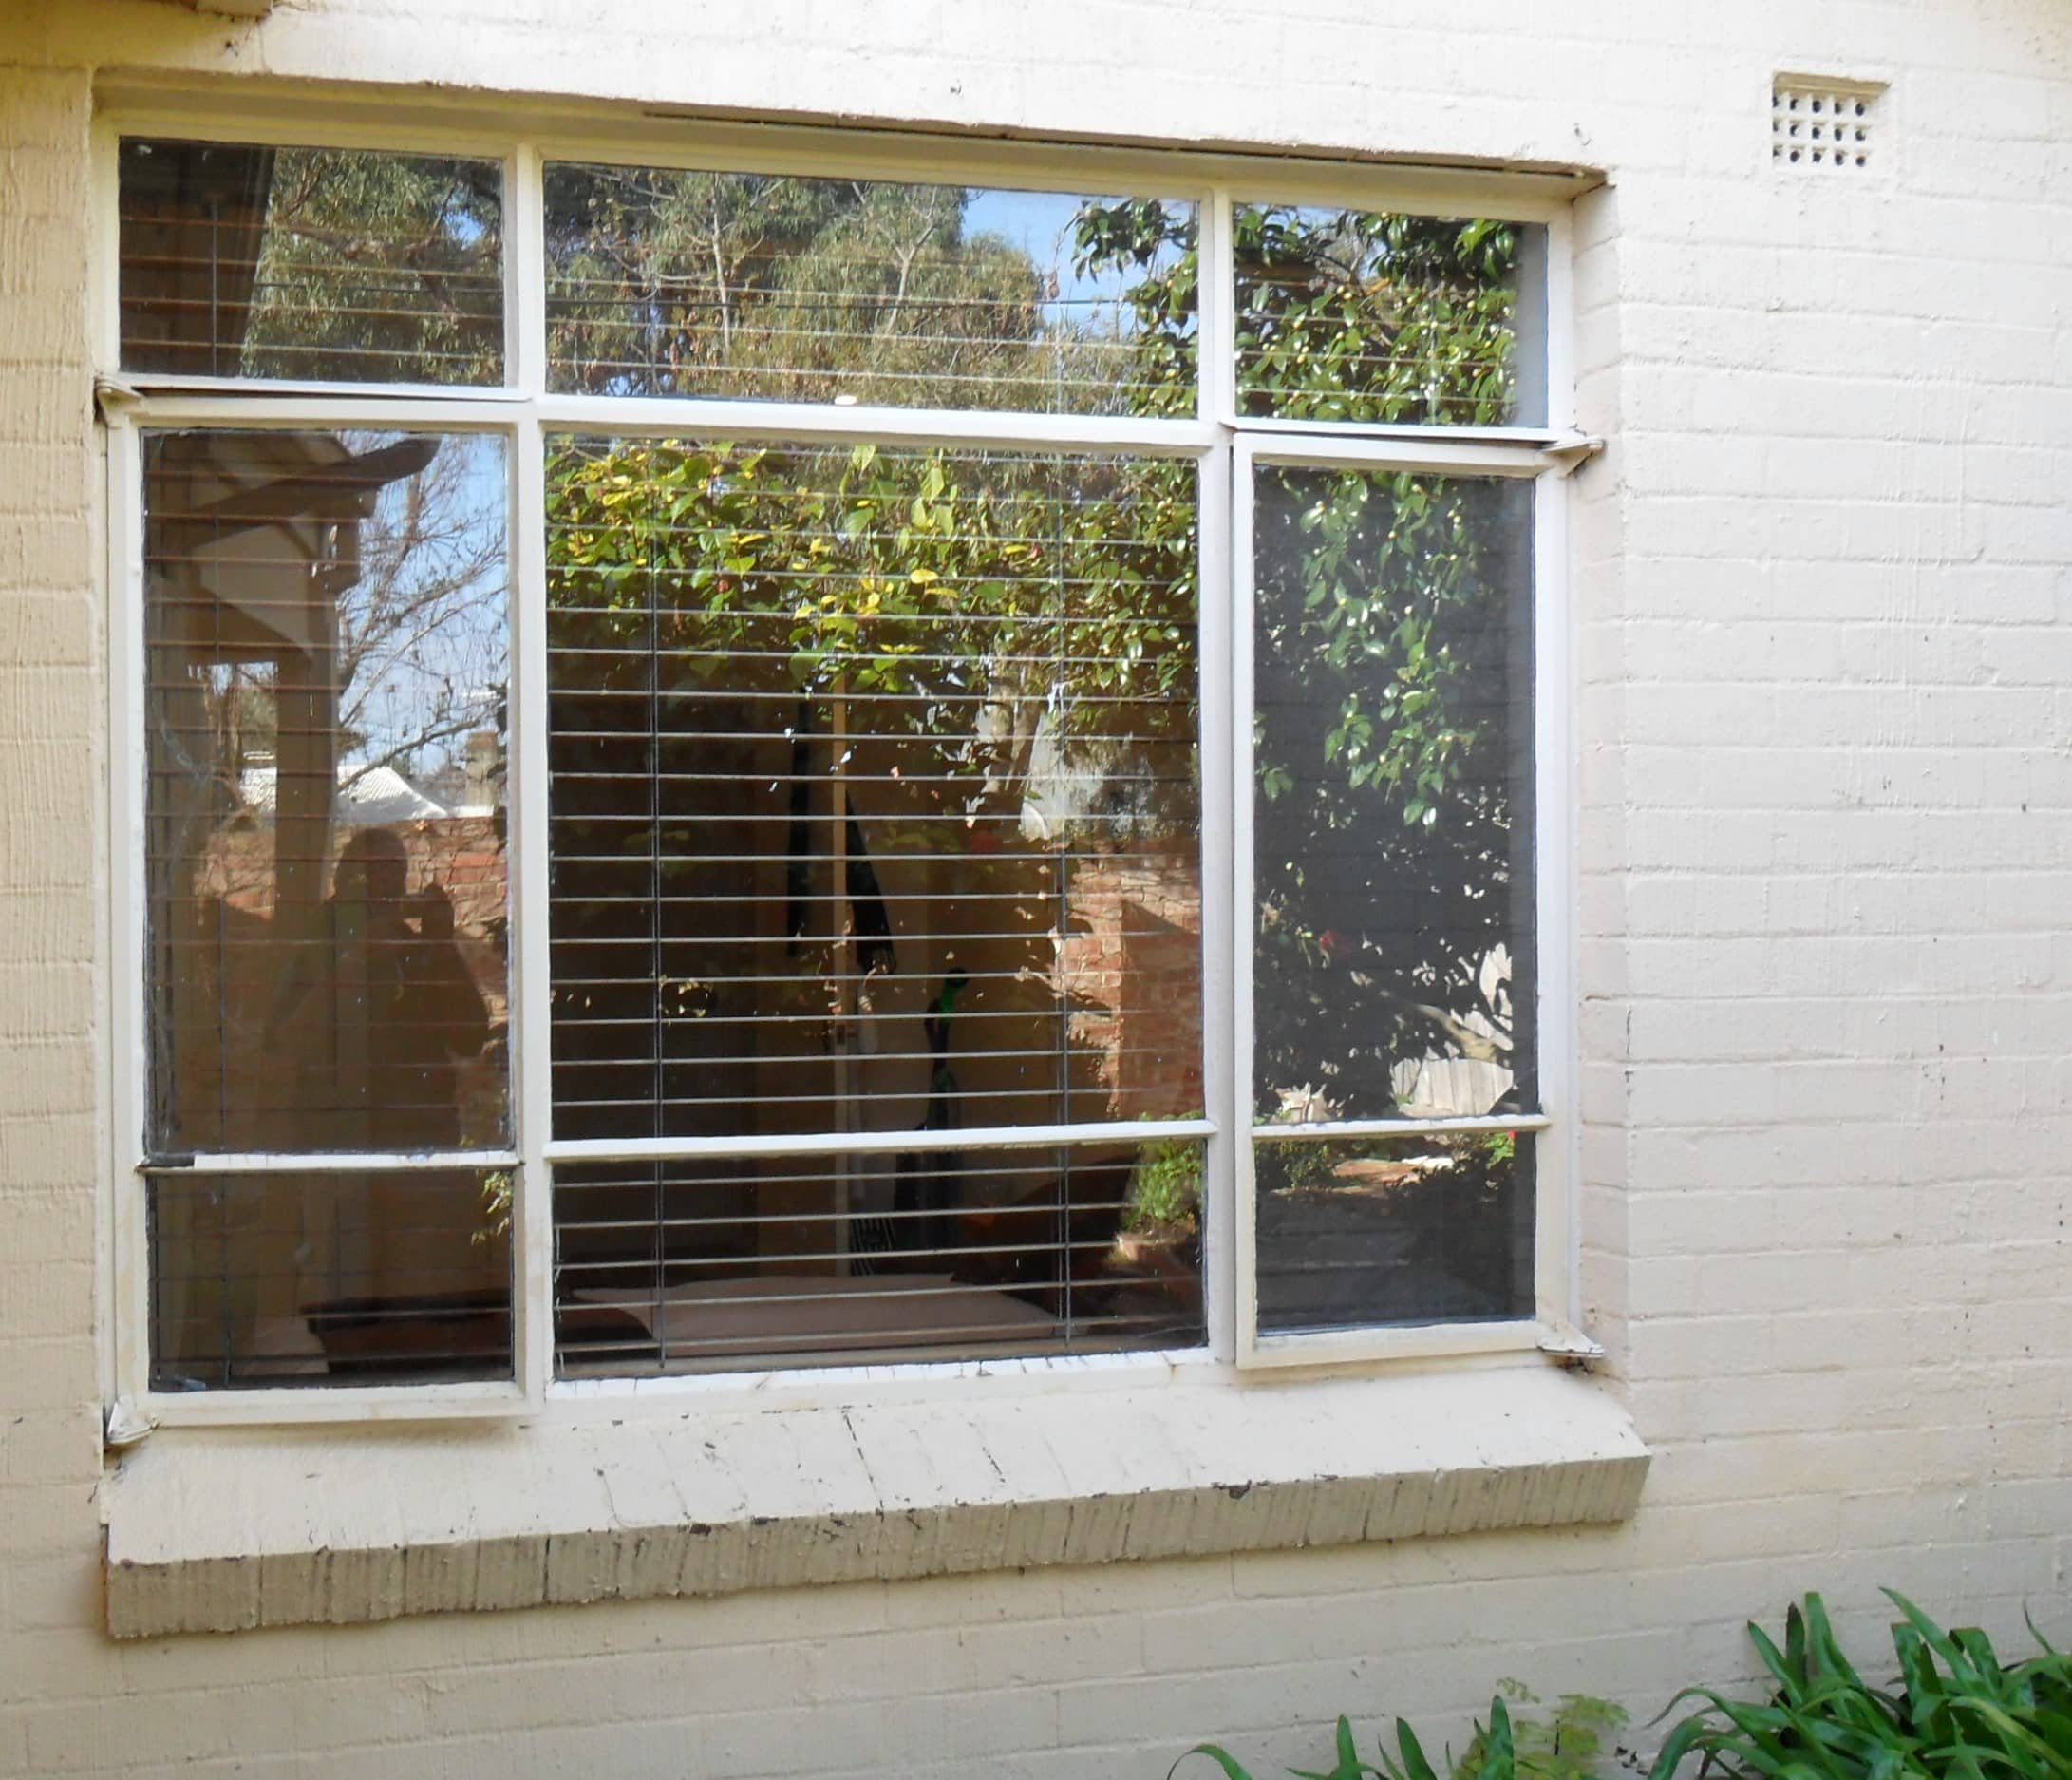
{"x":1823,"y":627}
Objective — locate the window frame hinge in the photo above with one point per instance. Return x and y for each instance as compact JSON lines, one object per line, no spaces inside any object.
{"x":1572,"y":450}
{"x":1565,"y":1341}
{"x":123,"y":1424}
{"x":112,"y":397}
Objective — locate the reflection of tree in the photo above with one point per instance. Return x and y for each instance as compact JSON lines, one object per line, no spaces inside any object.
{"x":814,"y":290}
{"x":1392,"y":660}
{"x":379,"y":267}
{"x":420,"y":655}
{"x":1391,"y":757}
{"x":900,"y":648}
{"x":422,"y":645}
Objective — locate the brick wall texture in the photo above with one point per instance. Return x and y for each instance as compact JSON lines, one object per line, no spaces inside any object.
{"x":1822,"y":631}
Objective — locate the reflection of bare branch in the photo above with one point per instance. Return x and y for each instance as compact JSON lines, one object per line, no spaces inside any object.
{"x":422,"y":627}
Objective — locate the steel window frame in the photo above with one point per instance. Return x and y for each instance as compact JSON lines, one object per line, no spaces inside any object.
{"x":1554,"y":1305}
{"x":523,"y":412}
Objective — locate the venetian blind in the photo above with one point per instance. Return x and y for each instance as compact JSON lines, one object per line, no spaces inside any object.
{"x":875,"y":824}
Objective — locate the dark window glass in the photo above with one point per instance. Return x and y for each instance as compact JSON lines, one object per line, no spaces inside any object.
{"x":1356,"y":1231}
{"x":1393,"y":787}
{"x":330,"y":1278}
{"x":919,"y":1255}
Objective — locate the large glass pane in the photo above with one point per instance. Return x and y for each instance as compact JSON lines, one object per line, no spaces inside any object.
{"x":325,"y":264}
{"x":325,"y":650}
{"x":1358,"y":1231}
{"x":349,"y":1278}
{"x":750,"y":285}
{"x":1392,"y":969}
{"x":875,"y":797}
{"x":1363,"y":315}
{"x":926,"y":1254}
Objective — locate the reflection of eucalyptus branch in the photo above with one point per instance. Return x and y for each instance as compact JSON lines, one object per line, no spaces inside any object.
{"x":496,"y":1195}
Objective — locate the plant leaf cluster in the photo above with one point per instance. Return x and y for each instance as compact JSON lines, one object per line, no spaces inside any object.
{"x":1956,"y":1711}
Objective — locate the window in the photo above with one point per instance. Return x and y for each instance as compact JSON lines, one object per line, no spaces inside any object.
{"x":735,"y":770}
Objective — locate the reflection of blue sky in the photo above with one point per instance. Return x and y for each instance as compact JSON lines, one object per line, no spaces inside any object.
{"x":1040,"y":223}
{"x":455,"y":663}
{"x":463,"y":658}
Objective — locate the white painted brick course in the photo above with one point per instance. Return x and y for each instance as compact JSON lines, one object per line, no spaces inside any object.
{"x":1824,"y":574}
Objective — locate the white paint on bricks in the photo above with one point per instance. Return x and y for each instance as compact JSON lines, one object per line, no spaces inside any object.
{"x":214,"y":1531}
{"x":1823,"y":818}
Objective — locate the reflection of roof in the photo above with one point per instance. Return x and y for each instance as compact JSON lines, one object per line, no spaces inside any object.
{"x":368,"y":795}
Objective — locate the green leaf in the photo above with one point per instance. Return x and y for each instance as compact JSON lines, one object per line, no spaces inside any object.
{"x":1413,"y":1761}
{"x":1223,"y":1759}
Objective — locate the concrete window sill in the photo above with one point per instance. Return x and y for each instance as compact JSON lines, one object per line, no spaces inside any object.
{"x":216,"y":1529}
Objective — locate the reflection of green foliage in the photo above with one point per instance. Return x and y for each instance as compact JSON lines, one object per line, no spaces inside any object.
{"x":497,"y":1201}
{"x":977,"y":595}
{"x":1392,"y":730}
{"x":1156,"y":246}
{"x":1165,"y":1185}
{"x":379,"y":267}
{"x":940,"y":585}
{"x":664,"y":282}
{"x":1296,"y":1167}
{"x":1388,"y":618}
{"x":1349,"y":315}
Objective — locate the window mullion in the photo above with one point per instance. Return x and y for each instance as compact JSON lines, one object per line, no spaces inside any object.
{"x":1225,"y":704}
{"x":1220,"y":907}
{"x":1244,"y":894}
{"x":127,"y":1074}
{"x":1556,"y":1260}
{"x":532,"y":1253}
{"x":526,"y":304}
{"x":531,"y":1058}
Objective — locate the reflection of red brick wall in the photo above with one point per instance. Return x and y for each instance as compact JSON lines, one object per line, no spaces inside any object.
{"x":1131,"y":968}
{"x":236,"y":1076}
{"x":461,"y":855}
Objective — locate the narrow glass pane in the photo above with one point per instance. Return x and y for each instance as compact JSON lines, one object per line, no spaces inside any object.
{"x":736,"y":284}
{"x":320,"y":264}
{"x":351,"y":1278}
{"x":698,"y":1266}
{"x":1392,"y":969}
{"x":325,"y":674}
{"x":1359,"y":1231}
{"x":1359,"y":315}
{"x":874,"y":797}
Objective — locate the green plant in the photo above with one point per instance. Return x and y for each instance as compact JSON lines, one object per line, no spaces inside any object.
{"x":1956,"y":1710}
{"x":1565,"y":1743}
{"x":1166,"y":1186}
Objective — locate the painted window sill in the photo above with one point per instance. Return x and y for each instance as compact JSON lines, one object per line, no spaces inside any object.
{"x":218,"y":1529}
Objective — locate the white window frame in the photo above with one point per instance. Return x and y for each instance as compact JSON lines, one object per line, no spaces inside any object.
{"x":523,"y":412}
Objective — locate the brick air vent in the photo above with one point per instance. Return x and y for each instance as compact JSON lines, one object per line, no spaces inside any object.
{"x":1823,"y":126}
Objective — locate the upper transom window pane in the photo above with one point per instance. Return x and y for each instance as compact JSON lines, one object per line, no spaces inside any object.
{"x":314,"y":264}
{"x":1389,"y":319}
{"x":743,"y":285}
